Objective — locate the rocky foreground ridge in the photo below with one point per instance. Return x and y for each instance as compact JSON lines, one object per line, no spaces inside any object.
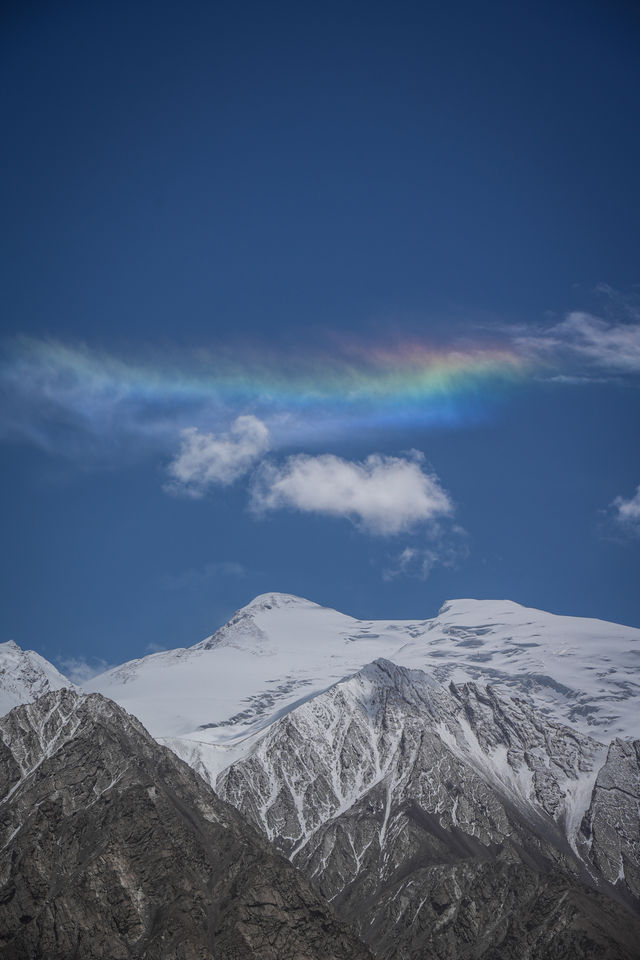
{"x":114,"y":848}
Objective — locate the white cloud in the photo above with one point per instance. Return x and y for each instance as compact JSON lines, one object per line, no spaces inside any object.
{"x":207,"y":460}
{"x":612,"y":345}
{"x":627,"y":513}
{"x":608,"y":345}
{"x":384,"y":495}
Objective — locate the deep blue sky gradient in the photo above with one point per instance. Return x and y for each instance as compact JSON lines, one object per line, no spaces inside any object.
{"x":179,"y":175}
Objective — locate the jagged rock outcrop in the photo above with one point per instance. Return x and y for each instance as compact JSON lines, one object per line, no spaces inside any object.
{"x":440,"y":822}
{"x":114,"y":848}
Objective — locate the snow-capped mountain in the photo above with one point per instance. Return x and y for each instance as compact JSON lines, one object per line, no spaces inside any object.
{"x":458,"y":786}
{"x":436,"y":820}
{"x":25,"y":676}
{"x":209,"y":701}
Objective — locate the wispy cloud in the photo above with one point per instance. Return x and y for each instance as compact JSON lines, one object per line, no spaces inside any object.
{"x":447,"y":548}
{"x":206,"y":460}
{"x":577,"y":379}
{"x":383,"y":495}
{"x":153,"y":647}
{"x":585,"y":344}
{"x":626,"y":513}
{"x":80,"y":669}
{"x":195,"y":578}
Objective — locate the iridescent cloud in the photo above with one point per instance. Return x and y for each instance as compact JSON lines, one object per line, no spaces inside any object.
{"x":305,"y":394}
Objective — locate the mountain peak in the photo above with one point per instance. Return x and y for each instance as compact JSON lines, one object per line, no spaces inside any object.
{"x":386,"y":671}
{"x":384,"y":678}
{"x":276,"y":601}
{"x":10,"y":645}
{"x":25,"y":676}
{"x":470,"y":605}
{"x":244,"y":620}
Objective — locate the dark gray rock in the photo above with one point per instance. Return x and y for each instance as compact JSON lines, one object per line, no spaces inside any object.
{"x":114,"y":848}
{"x":610,"y":830}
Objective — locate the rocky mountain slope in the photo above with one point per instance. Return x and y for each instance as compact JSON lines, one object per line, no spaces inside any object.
{"x":451,"y":822}
{"x":114,"y":848}
{"x":25,"y":676}
{"x":280,"y":650}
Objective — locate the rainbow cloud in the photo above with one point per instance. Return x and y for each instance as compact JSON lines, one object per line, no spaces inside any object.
{"x":73,"y":396}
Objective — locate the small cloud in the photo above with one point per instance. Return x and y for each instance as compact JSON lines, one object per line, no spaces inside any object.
{"x":448,"y":549}
{"x":382,"y":495}
{"x":206,"y":460}
{"x":79,"y":669}
{"x":194,"y":578}
{"x":626,"y":513}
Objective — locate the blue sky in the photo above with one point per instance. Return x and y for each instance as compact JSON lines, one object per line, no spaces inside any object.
{"x":337,"y":300}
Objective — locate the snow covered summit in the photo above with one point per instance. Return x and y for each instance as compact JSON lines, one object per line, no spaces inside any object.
{"x":25,"y":676}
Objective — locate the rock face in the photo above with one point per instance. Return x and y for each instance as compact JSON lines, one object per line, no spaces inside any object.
{"x":113,"y":848}
{"x":450,"y":823}
{"x":610,"y":831}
